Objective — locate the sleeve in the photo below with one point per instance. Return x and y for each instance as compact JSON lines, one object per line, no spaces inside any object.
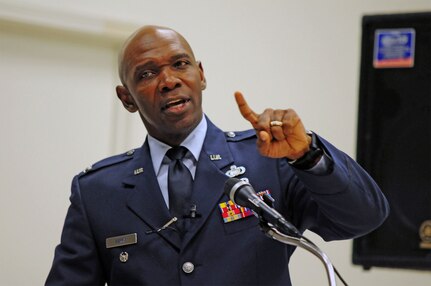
{"x":342,"y":204}
{"x":76,"y":260}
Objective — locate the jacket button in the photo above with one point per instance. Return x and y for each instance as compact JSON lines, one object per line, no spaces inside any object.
{"x":231,"y":134}
{"x":188,"y":267}
{"x":124,"y":256}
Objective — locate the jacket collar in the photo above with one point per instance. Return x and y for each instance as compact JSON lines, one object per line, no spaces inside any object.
{"x":147,"y":201}
{"x":209,"y":179}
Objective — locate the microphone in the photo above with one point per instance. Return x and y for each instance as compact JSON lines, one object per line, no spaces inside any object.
{"x":243,"y":194}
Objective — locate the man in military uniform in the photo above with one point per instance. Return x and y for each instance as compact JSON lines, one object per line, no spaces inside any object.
{"x":127,"y":225}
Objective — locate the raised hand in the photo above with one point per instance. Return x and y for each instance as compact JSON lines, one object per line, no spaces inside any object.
{"x":280,"y":132}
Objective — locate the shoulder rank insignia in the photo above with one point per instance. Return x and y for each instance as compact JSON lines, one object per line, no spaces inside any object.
{"x":88,"y":169}
{"x":130,"y":152}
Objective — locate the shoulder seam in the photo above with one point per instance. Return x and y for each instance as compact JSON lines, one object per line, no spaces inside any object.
{"x":109,"y":161}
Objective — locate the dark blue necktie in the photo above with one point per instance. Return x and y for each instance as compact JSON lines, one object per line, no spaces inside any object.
{"x":180,"y":184}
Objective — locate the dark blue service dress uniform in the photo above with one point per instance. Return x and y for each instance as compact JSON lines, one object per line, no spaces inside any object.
{"x":119,"y":199}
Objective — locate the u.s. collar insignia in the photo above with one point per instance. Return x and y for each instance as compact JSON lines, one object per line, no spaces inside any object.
{"x":138,"y":171}
{"x":235,"y":171}
{"x":215,"y":157}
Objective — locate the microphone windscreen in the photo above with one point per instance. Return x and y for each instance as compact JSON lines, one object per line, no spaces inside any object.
{"x":228,"y":185}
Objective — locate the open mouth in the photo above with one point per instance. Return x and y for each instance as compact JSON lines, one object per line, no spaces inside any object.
{"x":175,"y":103}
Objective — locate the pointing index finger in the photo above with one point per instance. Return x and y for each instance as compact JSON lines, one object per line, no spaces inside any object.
{"x":245,"y":110}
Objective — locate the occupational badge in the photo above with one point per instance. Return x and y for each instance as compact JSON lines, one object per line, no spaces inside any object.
{"x":235,"y":171}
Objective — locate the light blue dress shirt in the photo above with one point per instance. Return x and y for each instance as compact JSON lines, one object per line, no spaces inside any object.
{"x":158,"y":149}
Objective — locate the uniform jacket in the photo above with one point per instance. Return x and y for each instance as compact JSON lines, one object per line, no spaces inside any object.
{"x":120,"y":195}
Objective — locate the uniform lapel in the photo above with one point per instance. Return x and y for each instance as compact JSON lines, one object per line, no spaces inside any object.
{"x":146,"y":201}
{"x":209,"y":179}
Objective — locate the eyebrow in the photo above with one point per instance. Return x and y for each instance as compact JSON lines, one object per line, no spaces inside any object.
{"x":180,"y":56}
{"x":151,"y":63}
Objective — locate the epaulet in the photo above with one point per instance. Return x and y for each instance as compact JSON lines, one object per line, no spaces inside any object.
{"x":109,"y":161}
{"x":236,"y":136}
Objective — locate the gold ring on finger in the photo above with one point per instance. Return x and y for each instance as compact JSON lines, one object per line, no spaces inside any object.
{"x":276,"y":123}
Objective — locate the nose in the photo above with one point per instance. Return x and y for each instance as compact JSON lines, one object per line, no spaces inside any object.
{"x":168,"y":81}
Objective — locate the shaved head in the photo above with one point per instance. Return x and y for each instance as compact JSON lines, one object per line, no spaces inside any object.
{"x":145,"y":34}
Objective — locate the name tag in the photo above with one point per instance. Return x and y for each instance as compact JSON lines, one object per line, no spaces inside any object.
{"x":121,"y":240}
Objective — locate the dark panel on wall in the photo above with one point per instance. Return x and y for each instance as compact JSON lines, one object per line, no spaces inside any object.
{"x":394,"y":137}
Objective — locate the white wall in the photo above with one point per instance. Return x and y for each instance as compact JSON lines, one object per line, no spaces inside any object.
{"x":59,"y":112}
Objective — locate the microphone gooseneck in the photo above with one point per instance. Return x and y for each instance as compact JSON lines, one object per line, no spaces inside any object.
{"x":243,"y":194}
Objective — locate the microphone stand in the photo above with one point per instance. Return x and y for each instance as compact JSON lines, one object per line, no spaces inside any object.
{"x":301,"y":242}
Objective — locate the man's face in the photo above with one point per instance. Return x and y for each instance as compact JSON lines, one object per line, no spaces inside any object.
{"x":164,"y":82}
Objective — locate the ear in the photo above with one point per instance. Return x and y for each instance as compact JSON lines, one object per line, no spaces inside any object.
{"x":202,"y":74}
{"x":126,"y":98}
